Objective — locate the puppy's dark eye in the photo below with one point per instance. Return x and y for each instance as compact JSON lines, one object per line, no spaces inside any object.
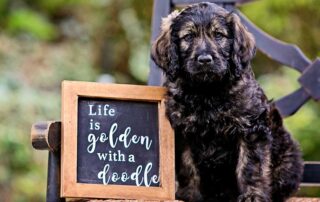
{"x":219,"y":35}
{"x":188,"y":37}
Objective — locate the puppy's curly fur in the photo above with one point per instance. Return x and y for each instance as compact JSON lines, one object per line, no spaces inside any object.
{"x":230,"y":141}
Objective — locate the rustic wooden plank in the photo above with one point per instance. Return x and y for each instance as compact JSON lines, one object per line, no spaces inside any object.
{"x":45,"y":135}
{"x":294,"y":199}
{"x":109,"y":200}
{"x":115,"y":91}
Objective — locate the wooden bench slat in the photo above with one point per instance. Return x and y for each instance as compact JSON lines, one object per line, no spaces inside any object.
{"x":294,"y":199}
{"x":112,"y":200}
{"x":304,"y":200}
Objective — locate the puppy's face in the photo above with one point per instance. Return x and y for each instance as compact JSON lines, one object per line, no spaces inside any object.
{"x":205,"y":42}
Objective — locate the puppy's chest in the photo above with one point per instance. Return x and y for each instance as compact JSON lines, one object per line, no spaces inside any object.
{"x":211,"y":129}
{"x":214,"y":152}
{"x":212,"y":120}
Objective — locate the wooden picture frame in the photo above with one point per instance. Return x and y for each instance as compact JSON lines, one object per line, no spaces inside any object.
{"x":70,"y":188}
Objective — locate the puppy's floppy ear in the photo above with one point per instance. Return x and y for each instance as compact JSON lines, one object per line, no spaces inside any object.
{"x":163,"y":49}
{"x":243,"y":44}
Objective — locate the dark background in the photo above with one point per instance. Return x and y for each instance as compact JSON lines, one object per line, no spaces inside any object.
{"x":143,"y":120}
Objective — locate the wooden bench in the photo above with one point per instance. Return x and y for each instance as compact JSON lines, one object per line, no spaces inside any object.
{"x":46,"y":135}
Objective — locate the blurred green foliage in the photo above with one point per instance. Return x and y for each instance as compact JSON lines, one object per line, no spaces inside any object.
{"x":43,"y":42}
{"x":24,"y":20}
{"x":31,"y":73}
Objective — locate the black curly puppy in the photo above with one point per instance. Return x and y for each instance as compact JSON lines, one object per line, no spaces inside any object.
{"x":230,"y":142}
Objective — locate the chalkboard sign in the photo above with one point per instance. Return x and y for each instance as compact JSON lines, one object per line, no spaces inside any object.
{"x":116,"y":142}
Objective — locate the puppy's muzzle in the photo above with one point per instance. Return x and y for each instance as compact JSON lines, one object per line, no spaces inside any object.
{"x":204,"y":59}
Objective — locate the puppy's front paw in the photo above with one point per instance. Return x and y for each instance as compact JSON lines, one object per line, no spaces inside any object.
{"x":253,"y":198}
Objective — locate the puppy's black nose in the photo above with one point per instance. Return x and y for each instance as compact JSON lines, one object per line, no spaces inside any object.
{"x":205,"y":59}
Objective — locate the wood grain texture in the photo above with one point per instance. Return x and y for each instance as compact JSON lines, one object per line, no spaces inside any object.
{"x":304,"y":200}
{"x":45,"y":135}
{"x":110,"y":200}
{"x":290,"y":200}
{"x":116,"y":91}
